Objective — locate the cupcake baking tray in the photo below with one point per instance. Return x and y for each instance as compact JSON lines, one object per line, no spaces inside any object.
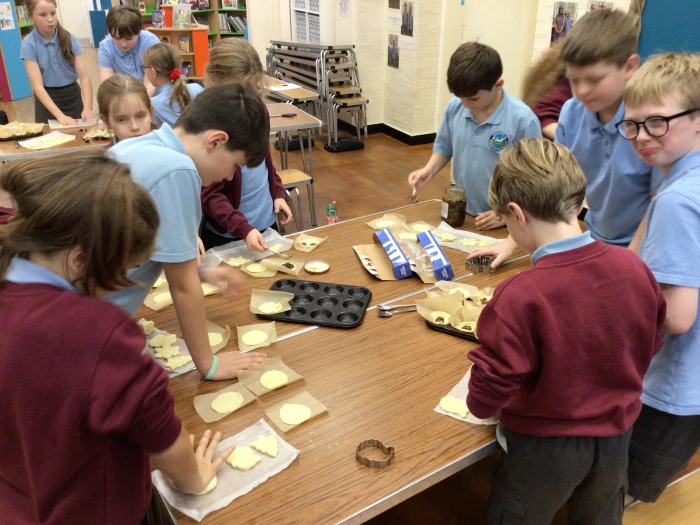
{"x":322,"y":304}
{"x":449,"y":329}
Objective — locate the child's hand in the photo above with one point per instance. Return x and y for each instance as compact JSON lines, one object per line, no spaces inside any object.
{"x":207,"y":465}
{"x":255,"y":242}
{"x":282,"y":206}
{"x":63,"y":120}
{"x":200,"y":249}
{"x":419,"y":178}
{"x":488,"y":220}
{"x":87,"y":114}
{"x":228,"y":279}
{"x":231,"y":363}
{"x":499,"y":252}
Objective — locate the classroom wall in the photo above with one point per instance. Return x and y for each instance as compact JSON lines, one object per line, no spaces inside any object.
{"x":368,"y":23}
{"x":73,"y":15}
{"x":267,"y":20}
{"x":669,"y":28}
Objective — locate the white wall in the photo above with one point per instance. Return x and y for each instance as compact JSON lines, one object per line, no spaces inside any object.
{"x":267,"y":20}
{"x":73,"y":15}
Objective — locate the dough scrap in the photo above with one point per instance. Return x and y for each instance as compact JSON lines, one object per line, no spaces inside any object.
{"x":270,"y":308}
{"x":440,"y":317}
{"x":292,"y":414}
{"x":210,"y":487}
{"x":447,"y":237}
{"x":384,"y":224}
{"x":463,"y":291}
{"x":177,"y":362}
{"x":227,"y":402}
{"x":162,"y":297}
{"x":408,"y":236}
{"x":468,"y":241}
{"x":480,"y":299}
{"x":215,"y":339}
{"x":255,"y":268}
{"x":420,"y":228}
{"x":238,"y":261}
{"x":273,"y":379}
{"x":243,"y":458}
{"x":147,"y":327}
{"x":267,"y":445}
{"x":208,"y":288}
{"x":485,"y":242}
{"x":162,"y":340}
{"x":467,"y":326}
{"x":454,"y":406}
{"x":167,"y":351}
{"x":254,"y":338}
{"x":276,"y":248}
{"x":159,"y":281}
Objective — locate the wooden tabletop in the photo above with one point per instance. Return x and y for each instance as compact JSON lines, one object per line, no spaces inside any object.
{"x":10,"y":150}
{"x":295,"y":95}
{"x":380,"y":380}
{"x":302,"y":120}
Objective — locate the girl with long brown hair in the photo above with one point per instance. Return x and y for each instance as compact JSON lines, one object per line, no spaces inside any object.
{"x":54,"y":62}
{"x":161,"y":66}
{"x":71,"y":363}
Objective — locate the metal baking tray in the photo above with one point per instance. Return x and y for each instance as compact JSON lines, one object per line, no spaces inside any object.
{"x":449,"y":329}
{"x":322,"y":304}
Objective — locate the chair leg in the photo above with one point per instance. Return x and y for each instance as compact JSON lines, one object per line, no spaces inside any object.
{"x":299,"y":218}
{"x":312,"y":203}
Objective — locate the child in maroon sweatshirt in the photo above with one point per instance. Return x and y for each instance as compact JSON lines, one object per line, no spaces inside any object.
{"x":565,"y":346}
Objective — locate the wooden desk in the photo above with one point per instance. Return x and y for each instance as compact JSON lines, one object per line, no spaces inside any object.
{"x":380,"y":380}
{"x":10,"y":150}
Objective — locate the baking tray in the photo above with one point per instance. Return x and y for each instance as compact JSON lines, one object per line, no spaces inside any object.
{"x":322,"y":304}
{"x":22,"y":137}
{"x":449,"y":329}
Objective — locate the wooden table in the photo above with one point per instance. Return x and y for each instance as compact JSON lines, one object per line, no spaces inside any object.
{"x":10,"y":150}
{"x":380,"y":380}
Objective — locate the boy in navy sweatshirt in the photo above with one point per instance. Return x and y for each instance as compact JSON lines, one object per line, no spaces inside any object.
{"x":565,"y":346}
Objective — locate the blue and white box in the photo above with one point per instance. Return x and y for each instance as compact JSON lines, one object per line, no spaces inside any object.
{"x":400,"y":265}
{"x":441,"y":264}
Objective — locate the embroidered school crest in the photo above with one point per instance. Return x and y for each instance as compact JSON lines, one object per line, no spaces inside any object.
{"x":498,"y":141}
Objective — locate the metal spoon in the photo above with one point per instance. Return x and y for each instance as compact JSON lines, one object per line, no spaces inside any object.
{"x":414,"y":196}
{"x":284,"y":256}
{"x":386,"y":307}
{"x":386,"y":313}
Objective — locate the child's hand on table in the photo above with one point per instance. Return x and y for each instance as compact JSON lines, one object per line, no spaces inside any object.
{"x":231,"y":363}
{"x":488,"y":220}
{"x":87,"y":114}
{"x":64,"y":120}
{"x":499,"y":252}
{"x":255,"y":242}
{"x":420,"y":178}
{"x":282,"y":206}
{"x":207,"y":465}
{"x":228,"y":279}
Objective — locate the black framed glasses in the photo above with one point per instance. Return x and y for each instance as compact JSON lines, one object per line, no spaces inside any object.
{"x":654,"y":126}
{"x":144,"y":67}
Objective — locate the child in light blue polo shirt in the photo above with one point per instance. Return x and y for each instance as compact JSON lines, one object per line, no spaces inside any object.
{"x":161,"y":64}
{"x":122,"y":51}
{"x":600,"y":56}
{"x":662,"y":122}
{"x":478,"y":123}
{"x":207,"y":145}
{"x":53,"y":59}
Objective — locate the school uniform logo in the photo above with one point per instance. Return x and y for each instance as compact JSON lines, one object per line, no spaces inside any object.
{"x":498,"y":141}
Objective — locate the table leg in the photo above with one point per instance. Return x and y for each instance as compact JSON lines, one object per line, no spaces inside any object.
{"x":300,"y":220}
{"x":301,"y":148}
{"x":279,"y":141}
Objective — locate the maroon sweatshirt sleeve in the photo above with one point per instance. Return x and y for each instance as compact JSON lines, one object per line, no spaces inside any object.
{"x":217,"y":204}
{"x":6,"y":214}
{"x":501,"y":364}
{"x":549,"y":106}
{"x":129,"y":393}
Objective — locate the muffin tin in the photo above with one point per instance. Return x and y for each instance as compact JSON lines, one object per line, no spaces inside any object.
{"x":322,"y":304}
{"x":449,"y":329}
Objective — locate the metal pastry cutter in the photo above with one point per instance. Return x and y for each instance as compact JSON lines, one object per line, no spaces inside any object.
{"x":374,"y":463}
{"x":480,"y":264}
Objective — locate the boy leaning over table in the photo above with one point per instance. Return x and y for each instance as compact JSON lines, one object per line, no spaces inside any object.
{"x":564,"y":348}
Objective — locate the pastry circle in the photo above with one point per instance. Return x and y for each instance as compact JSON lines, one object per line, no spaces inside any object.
{"x":270,"y":308}
{"x":227,"y":402}
{"x":420,"y":228}
{"x":454,"y":406}
{"x":215,"y":339}
{"x":254,"y":338}
{"x":292,"y":414}
{"x":273,"y":379}
{"x":210,"y":487}
{"x":384,"y":224}
{"x":255,"y":268}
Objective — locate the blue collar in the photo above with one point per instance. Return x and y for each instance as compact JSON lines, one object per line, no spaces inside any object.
{"x":170,"y":139}
{"x":52,"y":40}
{"x":494,"y":118}
{"x":681,"y":167}
{"x":562,"y":245}
{"x":131,"y":51}
{"x":595,"y":123}
{"x":22,"y":271}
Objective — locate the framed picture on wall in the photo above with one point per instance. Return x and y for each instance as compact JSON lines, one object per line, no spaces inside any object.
{"x":594,"y":6}
{"x":563,"y":19}
{"x":393,"y":52}
{"x":407,"y":18}
{"x":142,"y":7}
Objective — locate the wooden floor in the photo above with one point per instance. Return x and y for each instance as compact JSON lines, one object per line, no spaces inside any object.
{"x":374,"y":179}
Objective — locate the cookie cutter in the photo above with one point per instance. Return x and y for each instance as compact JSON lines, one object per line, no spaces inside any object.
{"x":374,"y":463}
{"x":480,"y":264}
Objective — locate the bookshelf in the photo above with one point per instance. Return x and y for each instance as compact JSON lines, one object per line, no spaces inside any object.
{"x":23,"y":23}
{"x":313,"y":20}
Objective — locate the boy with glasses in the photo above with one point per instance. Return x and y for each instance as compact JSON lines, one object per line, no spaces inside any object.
{"x":662,"y":122}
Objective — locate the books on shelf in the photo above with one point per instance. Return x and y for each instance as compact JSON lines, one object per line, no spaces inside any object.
{"x":186,"y":68}
{"x":22,"y":17}
{"x":233,"y":4}
{"x":184,"y":44}
{"x":157,"y":19}
{"x":181,"y":16}
{"x":232,"y":24}
{"x":201,"y":18}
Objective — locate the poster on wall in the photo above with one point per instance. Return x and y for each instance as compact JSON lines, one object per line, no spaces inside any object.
{"x":393,"y":56}
{"x":594,"y":6}
{"x":407,"y":18}
{"x":394,"y":4}
{"x":345,"y":8}
{"x":563,"y":20}
{"x":7,"y":21}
